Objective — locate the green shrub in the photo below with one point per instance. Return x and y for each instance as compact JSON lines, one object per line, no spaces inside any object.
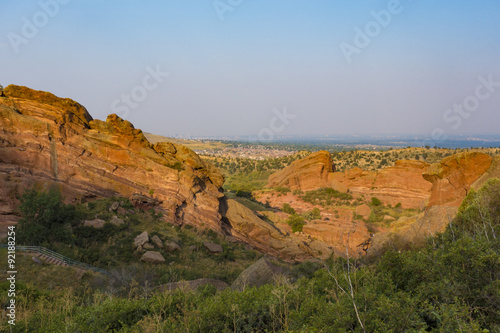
{"x":288,"y":209}
{"x":282,"y":190}
{"x":315,"y":214}
{"x":296,"y":222}
{"x":43,"y":217}
{"x":376,"y":202}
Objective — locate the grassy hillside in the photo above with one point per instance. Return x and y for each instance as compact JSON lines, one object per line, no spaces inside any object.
{"x":449,"y":285}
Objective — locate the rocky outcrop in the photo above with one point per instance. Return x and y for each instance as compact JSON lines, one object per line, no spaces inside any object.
{"x":338,"y":235}
{"x":414,"y":229}
{"x":245,"y":226}
{"x":45,"y":139}
{"x":305,"y":174}
{"x":451,"y":180}
{"x":402,"y":183}
{"x":452,"y":177}
{"x":493,"y":172}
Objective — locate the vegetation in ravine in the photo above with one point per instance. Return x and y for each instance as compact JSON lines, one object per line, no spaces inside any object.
{"x":449,"y":285}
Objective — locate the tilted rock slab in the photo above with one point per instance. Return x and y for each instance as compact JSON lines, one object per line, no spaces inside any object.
{"x":247,"y":227}
{"x":308,"y":173}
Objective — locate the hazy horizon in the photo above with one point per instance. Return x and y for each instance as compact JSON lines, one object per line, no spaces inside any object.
{"x":242,"y":68}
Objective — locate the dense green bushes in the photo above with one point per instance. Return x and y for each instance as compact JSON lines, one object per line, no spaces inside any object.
{"x":44,"y":217}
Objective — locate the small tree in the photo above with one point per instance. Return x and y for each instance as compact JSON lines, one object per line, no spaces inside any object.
{"x":43,"y":216}
{"x":296,"y":222}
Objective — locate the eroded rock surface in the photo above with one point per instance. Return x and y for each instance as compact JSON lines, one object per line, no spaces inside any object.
{"x":452,"y":177}
{"x":45,"y":138}
{"x":305,"y":174}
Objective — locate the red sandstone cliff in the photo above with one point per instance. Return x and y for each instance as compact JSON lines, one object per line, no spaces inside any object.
{"x":47,"y":139}
{"x":308,"y":173}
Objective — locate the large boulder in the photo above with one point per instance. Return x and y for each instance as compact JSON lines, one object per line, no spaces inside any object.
{"x":212,"y":247}
{"x":157,"y":241}
{"x":142,"y":239}
{"x":264,"y":271}
{"x":153,"y":257}
{"x":171,"y":246}
{"x":452,"y":177}
{"x":305,"y":174}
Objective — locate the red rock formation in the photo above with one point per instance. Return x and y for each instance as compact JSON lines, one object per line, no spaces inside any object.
{"x":339,"y":235}
{"x":246,"y":226}
{"x":452,"y":177}
{"x":44,"y":138}
{"x":402,"y":183}
{"x":305,"y":174}
{"x":493,"y":172}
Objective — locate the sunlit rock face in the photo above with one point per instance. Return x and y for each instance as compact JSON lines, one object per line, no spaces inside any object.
{"x":46,"y":139}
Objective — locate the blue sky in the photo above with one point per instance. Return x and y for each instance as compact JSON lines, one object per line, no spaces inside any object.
{"x":225,"y":77}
